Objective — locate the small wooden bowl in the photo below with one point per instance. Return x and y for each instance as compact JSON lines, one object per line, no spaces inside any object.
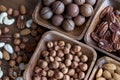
{"x":52,"y":36}
{"x":77,"y":33}
{"x":94,"y":23}
{"x":100,"y":63}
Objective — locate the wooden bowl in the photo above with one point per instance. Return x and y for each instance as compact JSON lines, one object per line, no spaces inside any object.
{"x":52,"y":36}
{"x":94,"y":23}
{"x":77,"y":33}
{"x":100,"y":63}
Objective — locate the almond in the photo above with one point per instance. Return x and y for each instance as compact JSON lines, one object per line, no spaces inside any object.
{"x":6,"y":55}
{"x":99,"y":73}
{"x":101,"y":78}
{"x":23,"y":9}
{"x":110,"y":67}
{"x":107,"y":74}
{"x":25,"y":32}
{"x":116,"y":76}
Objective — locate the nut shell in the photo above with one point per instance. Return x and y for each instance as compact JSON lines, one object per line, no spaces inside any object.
{"x":79,"y":20}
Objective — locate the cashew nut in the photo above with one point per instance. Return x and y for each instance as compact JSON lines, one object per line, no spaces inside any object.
{"x":1,"y":55}
{"x":7,"y":21}
{"x":1,"y":73}
{"x":2,"y":16}
{"x":28,"y":23}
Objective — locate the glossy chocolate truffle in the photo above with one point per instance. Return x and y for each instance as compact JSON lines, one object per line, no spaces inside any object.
{"x":58,"y":7}
{"x":86,"y":10}
{"x":57,"y":20}
{"x":72,"y":10}
{"x":68,"y":25}
{"x":46,"y":13}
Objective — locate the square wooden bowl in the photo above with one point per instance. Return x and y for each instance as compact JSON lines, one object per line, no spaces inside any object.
{"x":94,"y":23}
{"x":100,"y":63}
{"x":77,"y":33}
{"x":52,"y":36}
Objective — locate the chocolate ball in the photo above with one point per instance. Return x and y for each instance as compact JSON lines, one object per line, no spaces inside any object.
{"x":86,"y":10}
{"x":46,"y":13}
{"x":79,"y":20}
{"x":66,"y":2}
{"x":58,"y":7}
{"x":92,"y":2}
{"x":57,"y":20}
{"x":79,"y":2}
{"x":72,"y":10}
{"x":68,"y":25}
{"x":48,"y":2}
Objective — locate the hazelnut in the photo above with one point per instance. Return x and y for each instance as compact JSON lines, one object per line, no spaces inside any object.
{"x":6,"y":30}
{"x":71,"y":72}
{"x":17,"y":35}
{"x":84,"y":58}
{"x":19,"y":59}
{"x":76,"y":58}
{"x":46,"y":68}
{"x":13,"y":56}
{"x":43,"y":73}
{"x":33,"y":26}
{"x":74,"y":65}
{"x":17,"y":41}
{"x":69,"y":56}
{"x":50,"y":73}
{"x":68,"y":45}
{"x":55,"y":65}
{"x":58,"y":7}
{"x":60,"y":53}
{"x":68,"y":62}
{"x":25,"y":39}
{"x":64,"y":70}
{"x":68,"y":25}
{"x":62,"y":65}
{"x":57,"y":20}
{"x":58,"y":59}
{"x":34,"y":33}
{"x":16,"y":13}
{"x":79,"y":2}
{"x":56,"y":48}
{"x":45,"y":53}
{"x":16,"y":48}
{"x":59,"y":75}
{"x":66,"y":77}
{"x":43,"y":78}
{"x":46,"y":13}
{"x":52,"y":59}
{"x":55,"y":43}
{"x":86,"y":10}
{"x":22,"y":46}
{"x":78,"y":53}
{"x":76,"y":48}
{"x":25,"y":58}
{"x":48,"y":2}
{"x":42,"y":63}
{"x":6,"y":78}
{"x":61,"y":43}
{"x":92,"y":2}
{"x":12,"y":63}
{"x":66,"y":2}
{"x":50,"y":44}
{"x":66,"y":50}
{"x":10,"y":11}
{"x":84,"y":67}
{"x":72,"y":10}
{"x":81,"y":75}
{"x":36,"y":78}
{"x":47,"y":59}
{"x":79,"y":20}
{"x":53,"y":53}
{"x":37,"y":69}
{"x":75,"y":76}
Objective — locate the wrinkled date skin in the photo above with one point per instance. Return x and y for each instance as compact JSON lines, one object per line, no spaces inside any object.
{"x":107,"y":34}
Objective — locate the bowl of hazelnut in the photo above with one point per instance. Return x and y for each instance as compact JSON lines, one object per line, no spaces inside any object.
{"x":58,"y":57}
{"x":70,"y":17}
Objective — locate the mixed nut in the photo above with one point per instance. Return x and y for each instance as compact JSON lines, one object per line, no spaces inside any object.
{"x":107,"y":33}
{"x":109,"y":71}
{"x":67,"y":13}
{"x":61,"y":61}
{"x":14,"y":50}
